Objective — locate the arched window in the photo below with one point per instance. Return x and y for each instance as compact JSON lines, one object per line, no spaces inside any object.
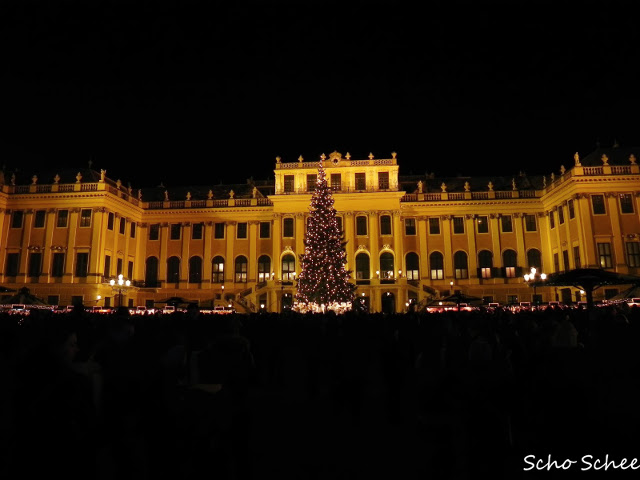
{"x":386,"y":266}
{"x":362,"y":267}
{"x":217,"y":270}
{"x":173,"y":270}
{"x":510,"y":262}
{"x":264,"y":268}
{"x":436,"y":265}
{"x":151,"y":272}
{"x":413,"y":266}
{"x":534,"y":258}
{"x":241,"y":269}
{"x":460,"y":264}
{"x":485,"y":263}
{"x":288,"y":268}
{"x":195,"y":270}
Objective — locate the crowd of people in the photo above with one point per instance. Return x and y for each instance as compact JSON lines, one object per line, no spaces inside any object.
{"x":444,"y":395}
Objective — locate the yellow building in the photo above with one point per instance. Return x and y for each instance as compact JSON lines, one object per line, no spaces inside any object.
{"x":409,"y":238}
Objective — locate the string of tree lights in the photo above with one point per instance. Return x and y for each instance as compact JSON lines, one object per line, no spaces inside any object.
{"x":323,"y":283}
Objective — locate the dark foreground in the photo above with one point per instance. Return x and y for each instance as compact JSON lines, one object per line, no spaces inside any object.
{"x":411,"y":396}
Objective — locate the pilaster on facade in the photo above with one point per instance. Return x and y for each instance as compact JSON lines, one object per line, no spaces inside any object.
{"x":25,"y":243}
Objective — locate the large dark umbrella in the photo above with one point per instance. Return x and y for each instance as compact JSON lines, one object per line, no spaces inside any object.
{"x":460,"y":297}
{"x":588,"y":279}
{"x":24,"y":296}
{"x":175,"y":301}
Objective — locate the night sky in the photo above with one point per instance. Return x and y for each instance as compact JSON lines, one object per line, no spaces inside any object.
{"x":217,"y":90}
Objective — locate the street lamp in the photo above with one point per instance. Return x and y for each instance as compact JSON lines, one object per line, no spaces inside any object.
{"x":532,"y":277}
{"x":120,"y":285}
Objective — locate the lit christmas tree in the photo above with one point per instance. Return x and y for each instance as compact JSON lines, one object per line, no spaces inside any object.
{"x":323,"y":283}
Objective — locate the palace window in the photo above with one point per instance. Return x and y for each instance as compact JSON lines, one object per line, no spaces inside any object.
{"x":241,"y":269}
{"x":13,"y":261}
{"x":576,"y":257}
{"x":572,"y":210}
{"x":195,"y":269}
{"x":552,"y":219}
{"x":57,"y":265}
{"x":17,"y":217}
{"x":175,"y":231}
{"x":218,"y":230}
{"x":633,"y":254}
{"x":85,"y":217}
{"x":196,"y":231}
{"x":241,"y":232}
{"x":288,"y":268}
{"x":409,"y":226}
{"x":530,"y":223}
{"x":361,"y":225}
{"x":336,"y":181}
{"x":460,"y":264}
{"x":288,"y":183}
{"x":561,"y":214}
{"x":35,"y":264}
{"x":360,"y":181}
{"x":287,"y":227}
{"x":604,"y":255}
{"x":434,"y":226}
{"x":39,"y":219}
{"x":63,"y":216}
{"x":362,"y":267}
{"x":383,"y":180}
{"x":82,"y":264}
{"x":412,"y":262}
{"x":534,"y":259}
{"x":123,"y":225}
{"x":110,"y":220}
{"x":436,"y":265}
{"x":154,"y":231}
{"x":265,"y":229}
{"x":217,"y":270}
{"x":626,"y":203}
{"x":597,"y":203}
{"x":485,"y":263}
{"x":506,"y":223}
{"x":385,"y":225}
{"x":312,"y":178}
{"x":483,"y":224}
{"x":264,"y":268}
{"x":458,"y":224}
{"x":386,"y":266}
{"x":173,"y":269}
{"x":509,"y":260}
{"x":132,"y":230}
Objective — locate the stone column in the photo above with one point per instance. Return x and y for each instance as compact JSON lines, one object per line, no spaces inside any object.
{"x":48,"y":241}
{"x":398,"y":241}
{"x":69,"y":273}
{"x":185,"y":239}
{"x":207,"y":270}
{"x":229,"y":271}
{"x":27,"y":222}
{"x":449,"y":274}
{"x":470,"y":228}
{"x":162,"y":260}
{"x":98,"y":235}
{"x":617,"y":242}
{"x":140,"y":264}
{"x":277,"y":244}
{"x":588,"y":254}
{"x":252,"y":274}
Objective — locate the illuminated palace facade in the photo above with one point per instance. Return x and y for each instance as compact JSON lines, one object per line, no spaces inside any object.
{"x":409,"y":239}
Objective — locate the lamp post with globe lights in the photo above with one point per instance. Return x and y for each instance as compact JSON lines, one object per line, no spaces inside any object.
{"x":532,"y":278}
{"x":119,"y":286}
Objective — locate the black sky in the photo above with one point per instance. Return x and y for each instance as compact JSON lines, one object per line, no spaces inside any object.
{"x":217,"y":91}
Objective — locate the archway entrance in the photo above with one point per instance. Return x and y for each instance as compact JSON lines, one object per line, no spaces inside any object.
{"x":388,"y":302}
